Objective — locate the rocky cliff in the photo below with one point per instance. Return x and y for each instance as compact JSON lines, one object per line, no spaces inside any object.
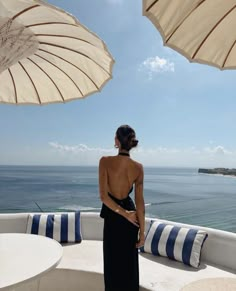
{"x":222,"y":171}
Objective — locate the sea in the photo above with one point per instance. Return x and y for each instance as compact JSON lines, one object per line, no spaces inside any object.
{"x":176,"y":194}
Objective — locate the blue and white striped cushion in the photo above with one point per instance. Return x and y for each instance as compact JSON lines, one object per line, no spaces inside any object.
{"x":177,"y":243}
{"x":63,"y":227}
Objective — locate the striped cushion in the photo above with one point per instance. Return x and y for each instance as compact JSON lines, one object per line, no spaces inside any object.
{"x":177,"y":243}
{"x":61,"y":227}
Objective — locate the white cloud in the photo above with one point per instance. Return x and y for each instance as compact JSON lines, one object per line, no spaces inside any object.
{"x":55,"y":153}
{"x":155,"y":65}
{"x":82,"y":154}
{"x":218,"y":150}
{"x":78,"y":148}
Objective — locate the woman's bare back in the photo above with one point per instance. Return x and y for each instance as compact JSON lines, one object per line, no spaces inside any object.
{"x":122,"y":172}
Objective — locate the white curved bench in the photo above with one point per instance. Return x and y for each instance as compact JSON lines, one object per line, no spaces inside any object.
{"x":81,"y":267}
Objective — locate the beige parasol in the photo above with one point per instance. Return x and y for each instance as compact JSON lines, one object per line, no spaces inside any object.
{"x":201,"y":30}
{"x":47,"y":56}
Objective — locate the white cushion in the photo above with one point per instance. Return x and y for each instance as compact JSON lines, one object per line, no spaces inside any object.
{"x":63,"y":227}
{"x":177,"y":243}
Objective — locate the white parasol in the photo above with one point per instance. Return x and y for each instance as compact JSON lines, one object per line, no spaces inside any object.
{"x":47,"y":56}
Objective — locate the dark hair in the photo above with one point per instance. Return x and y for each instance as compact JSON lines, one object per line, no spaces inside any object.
{"x":126,"y":137}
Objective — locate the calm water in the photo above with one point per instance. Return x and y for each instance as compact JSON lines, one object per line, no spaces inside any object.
{"x":177,"y":194}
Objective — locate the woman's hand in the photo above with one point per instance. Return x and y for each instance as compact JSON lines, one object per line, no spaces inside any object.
{"x":131,"y":216}
{"x":141,"y":240}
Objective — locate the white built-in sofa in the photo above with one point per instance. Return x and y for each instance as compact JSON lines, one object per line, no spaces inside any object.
{"x":81,"y":267}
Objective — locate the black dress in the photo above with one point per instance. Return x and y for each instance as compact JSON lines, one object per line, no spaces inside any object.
{"x":120,"y":255}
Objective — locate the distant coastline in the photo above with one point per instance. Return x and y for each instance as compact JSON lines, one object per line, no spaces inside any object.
{"x":221,"y":171}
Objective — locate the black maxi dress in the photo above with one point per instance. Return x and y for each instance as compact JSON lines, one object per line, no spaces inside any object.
{"x":120,"y":255}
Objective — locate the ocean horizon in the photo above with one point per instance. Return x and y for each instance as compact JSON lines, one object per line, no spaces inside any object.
{"x":172,"y":193}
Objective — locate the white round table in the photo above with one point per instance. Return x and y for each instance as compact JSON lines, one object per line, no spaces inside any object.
{"x":25,"y":257}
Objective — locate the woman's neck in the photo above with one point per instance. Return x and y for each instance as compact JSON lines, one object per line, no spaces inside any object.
{"x":123,"y":153}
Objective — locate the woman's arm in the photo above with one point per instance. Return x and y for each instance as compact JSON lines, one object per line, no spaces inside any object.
{"x":140,"y":207}
{"x":103,"y":190}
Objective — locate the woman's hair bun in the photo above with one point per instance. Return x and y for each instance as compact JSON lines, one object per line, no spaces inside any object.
{"x":126,"y":137}
{"x":134,"y":143}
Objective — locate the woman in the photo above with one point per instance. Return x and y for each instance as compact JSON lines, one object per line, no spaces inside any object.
{"x":123,"y":221}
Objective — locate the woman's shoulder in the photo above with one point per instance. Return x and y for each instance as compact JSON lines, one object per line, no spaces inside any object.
{"x":137,"y":165}
{"x":106,"y":159}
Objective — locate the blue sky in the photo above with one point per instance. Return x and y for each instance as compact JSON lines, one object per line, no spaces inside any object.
{"x":183,"y":113}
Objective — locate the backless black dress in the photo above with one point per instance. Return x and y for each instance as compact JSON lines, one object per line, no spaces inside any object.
{"x":120,"y":255}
